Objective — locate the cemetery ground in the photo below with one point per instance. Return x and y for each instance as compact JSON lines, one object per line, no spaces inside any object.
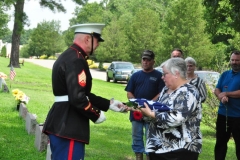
{"x":110,"y":140}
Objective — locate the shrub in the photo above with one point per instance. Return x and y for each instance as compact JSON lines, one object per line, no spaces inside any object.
{"x":52,"y":57}
{"x":93,"y":66}
{"x":105,"y":67}
{"x":43,"y":56}
{"x":210,"y":109}
{"x":90,"y":62}
{"x":4,"y":51}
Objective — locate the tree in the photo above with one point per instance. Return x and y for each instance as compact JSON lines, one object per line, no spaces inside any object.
{"x":25,"y":36}
{"x":24,"y":52}
{"x":4,"y":19}
{"x":115,"y":47}
{"x":20,"y":19}
{"x":222,"y":19}
{"x":46,"y":39}
{"x":144,"y":35}
{"x":222,"y":10}
{"x":4,"y":51}
{"x":91,"y":12}
{"x":184,"y":28}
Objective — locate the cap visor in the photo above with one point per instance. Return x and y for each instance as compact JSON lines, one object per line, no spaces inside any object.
{"x":146,"y":57}
{"x":100,"y":39}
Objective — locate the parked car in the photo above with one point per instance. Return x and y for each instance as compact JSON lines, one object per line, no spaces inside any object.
{"x":119,"y":71}
{"x":134,"y":71}
{"x":210,"y":77}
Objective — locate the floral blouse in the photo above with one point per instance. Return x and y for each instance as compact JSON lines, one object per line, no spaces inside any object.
{"x":178,"y":128}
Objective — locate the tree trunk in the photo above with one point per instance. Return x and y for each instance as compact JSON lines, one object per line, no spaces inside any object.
{"x":17,"y":30}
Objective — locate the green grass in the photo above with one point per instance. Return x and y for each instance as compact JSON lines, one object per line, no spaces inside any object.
{"x":110,"y":140}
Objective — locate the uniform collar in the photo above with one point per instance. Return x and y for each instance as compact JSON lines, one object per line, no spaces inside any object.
{"x":80,"y":50}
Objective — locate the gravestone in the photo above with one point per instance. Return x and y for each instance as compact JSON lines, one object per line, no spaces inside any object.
{"x":31,"y":123}
{"x":23,"y":111}
{"x":41,"y":139}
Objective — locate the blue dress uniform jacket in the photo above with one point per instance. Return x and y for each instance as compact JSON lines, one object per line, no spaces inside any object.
{"x":71,"y":76}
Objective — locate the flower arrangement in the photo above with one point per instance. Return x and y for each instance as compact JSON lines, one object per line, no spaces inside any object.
{"x":20,"y":97}
{"x":3,"y":75}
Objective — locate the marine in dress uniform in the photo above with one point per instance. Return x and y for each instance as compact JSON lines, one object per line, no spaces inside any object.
{"x":67,"y":123}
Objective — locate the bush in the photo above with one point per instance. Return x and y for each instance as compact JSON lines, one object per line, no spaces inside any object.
{"x":90,"y":62}
{"x":93,"y":66}
{"x":43,"y":56}
{"x":52,"y":57}
{"x":105,"y":67}
{"x":210,"y":109}
{"x":4,"y":51}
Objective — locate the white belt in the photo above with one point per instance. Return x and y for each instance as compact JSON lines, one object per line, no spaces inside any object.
{"x":61,"y":98}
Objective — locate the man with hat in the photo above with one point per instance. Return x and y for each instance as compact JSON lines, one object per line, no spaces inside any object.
{"x":146,"y":83}
{"x":67,"y":123}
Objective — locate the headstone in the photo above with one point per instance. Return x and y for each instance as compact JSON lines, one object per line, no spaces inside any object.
{"x":1,"y":82}
{"x":41,"y":139}
{"x":5,"y":88}
{"x":4,"y":84}
{"x":23,"y":111}
{"x":49,"y":153}
{"x":31,"y":123}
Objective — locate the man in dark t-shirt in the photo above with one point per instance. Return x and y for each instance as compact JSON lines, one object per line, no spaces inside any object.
{"x":146,"y":83}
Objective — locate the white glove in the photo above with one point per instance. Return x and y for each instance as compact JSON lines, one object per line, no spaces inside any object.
{"x":114,"y":106}
{"x":101,"y":118}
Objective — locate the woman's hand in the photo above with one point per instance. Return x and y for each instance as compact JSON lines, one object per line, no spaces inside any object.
{"x":147,"y":111}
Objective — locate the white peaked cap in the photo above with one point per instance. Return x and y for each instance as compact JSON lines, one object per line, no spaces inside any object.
{"x":89,"y":28}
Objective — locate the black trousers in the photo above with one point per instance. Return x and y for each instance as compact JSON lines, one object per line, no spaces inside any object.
{"x":223,"y":136}
{"x":181,"y":154}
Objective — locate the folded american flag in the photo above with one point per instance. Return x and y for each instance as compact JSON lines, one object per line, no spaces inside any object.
{"x":152,"y":104}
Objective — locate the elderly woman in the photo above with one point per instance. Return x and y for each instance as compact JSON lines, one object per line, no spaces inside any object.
{"x":194,"y":79}
{"x":175,"y":134}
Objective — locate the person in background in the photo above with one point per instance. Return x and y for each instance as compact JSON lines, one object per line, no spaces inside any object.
{"x":228,"y":119}
{"x":67,"y":123}
{"x":175,"y":134}
{"x":194,"y":79}
{"x":147,"y":84}
{"x":177,"y":53}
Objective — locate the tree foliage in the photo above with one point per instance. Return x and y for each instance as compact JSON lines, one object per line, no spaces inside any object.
{"x":158,"y":25}
{"x":20,"y":19}
{"x":3,"y":51}
{"x":187,"y":32}
{"x":221,"y":11}
{"x":46,"y":39}
{"x":222,"y":18}
{"x":4,"y":19}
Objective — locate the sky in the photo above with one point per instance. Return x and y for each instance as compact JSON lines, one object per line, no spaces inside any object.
{"x":36,"y":14}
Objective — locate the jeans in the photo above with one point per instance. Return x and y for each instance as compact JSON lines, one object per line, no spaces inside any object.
{"x":223,"y":136}
{"x":138,"y":135}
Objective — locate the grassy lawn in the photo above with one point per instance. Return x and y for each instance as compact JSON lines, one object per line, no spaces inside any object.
{"x":110,"y":140}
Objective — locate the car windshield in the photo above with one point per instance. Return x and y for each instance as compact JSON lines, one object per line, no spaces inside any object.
{"x":124,"y":66}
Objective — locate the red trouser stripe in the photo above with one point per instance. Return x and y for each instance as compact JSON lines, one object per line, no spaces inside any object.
{"x":70,"y":152}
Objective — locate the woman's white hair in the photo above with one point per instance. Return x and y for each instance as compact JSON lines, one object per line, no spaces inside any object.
{"x":175,"y":65}
{"x":190,"y":60}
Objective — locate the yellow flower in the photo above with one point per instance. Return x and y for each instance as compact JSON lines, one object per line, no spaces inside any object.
{"x":20,"y":96}
{"x":15,"y":92}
